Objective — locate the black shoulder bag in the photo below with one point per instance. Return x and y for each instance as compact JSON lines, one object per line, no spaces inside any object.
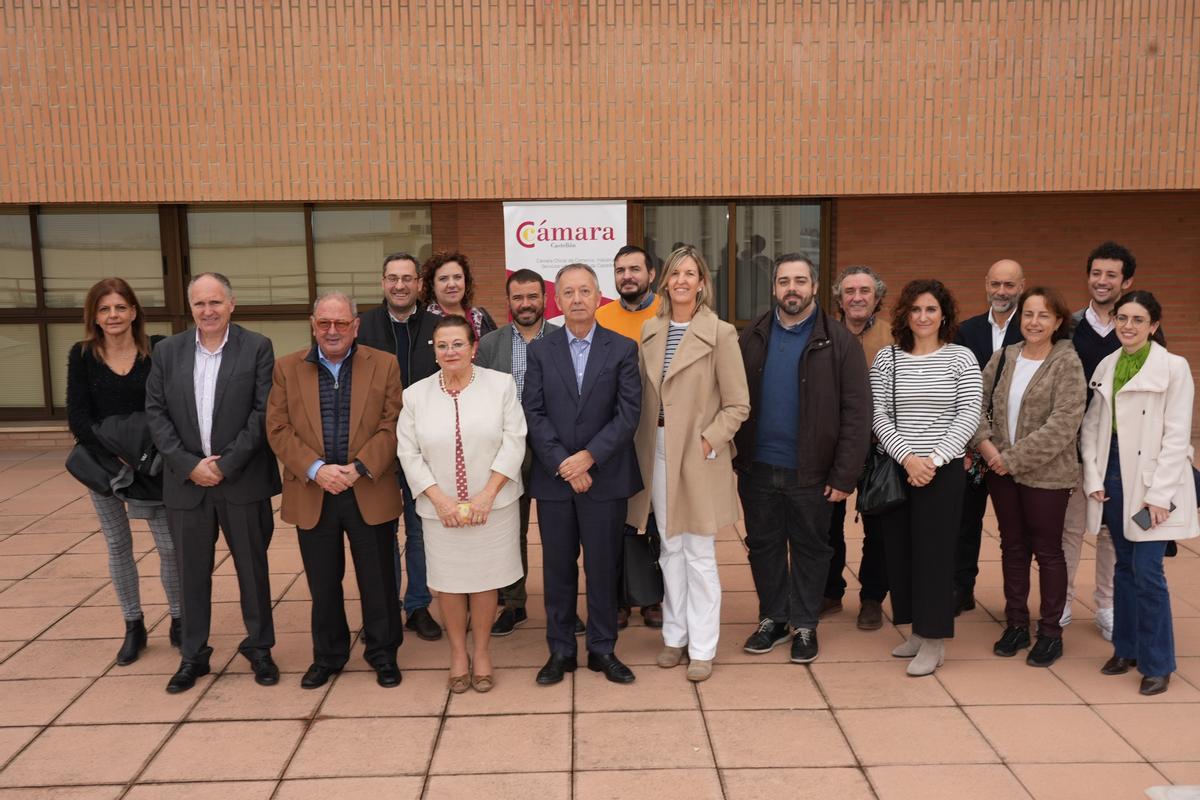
{"x":882,"y":487}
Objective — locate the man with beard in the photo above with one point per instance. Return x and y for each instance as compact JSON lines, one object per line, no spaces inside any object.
{"x":634,"y":275}
{"x":401,"y":326}
{"x":984,"y":334}
{"x":800,"y":452}
{"x":504,"y":350}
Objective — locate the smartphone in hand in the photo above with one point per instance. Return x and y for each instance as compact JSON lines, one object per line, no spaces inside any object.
{"x":1142,"y":518}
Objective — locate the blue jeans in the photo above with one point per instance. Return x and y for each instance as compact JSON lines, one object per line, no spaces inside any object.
{"x":1142,"y":626}
{"x":417,"y":594}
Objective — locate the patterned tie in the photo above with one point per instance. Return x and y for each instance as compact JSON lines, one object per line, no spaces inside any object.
{"x":460,"y":463}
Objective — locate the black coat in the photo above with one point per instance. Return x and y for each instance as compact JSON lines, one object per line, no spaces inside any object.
{"x":375,"y":330}
{"x":976,"y":334}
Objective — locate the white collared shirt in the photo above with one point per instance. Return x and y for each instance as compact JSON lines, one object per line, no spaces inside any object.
{"x":204,"y":381}
{"x":997,"y":330}
{"x":1102,"y":328}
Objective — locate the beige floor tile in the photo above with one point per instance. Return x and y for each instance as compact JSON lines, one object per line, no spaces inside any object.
{"x":972,"y":640}
{"x":1087,"y":781}
{"x":1003,"y":681}
{"x":946,"y":782}
{"x":516,"y":692}
{"x":1050,"y":734}
{"x":524,"y":648}
{"x":511,"y":786}
{"x":876,"y":684}
{"x":292,"y":651}
{"x":64,"y":793}
{"x":1085,"y":678}
{"x":36,"y":702}
{"x":17,"y":567}
{"x":655,"y":689}
{"x":678,"y":737}
{"x":743,"y":739}
{"x":541,"y":739}
{"x":1159,"y":732}
{"x":132,"y":698}
{"x":82,"y":565}
{"x":62,"y":659}
{"x":217,"y":790}
{"x":27,"y":623}
{"x":13,"y":739}
{"x":365,"y":747}
{"x":327,"y":788}
{"x":150,"y":589}
{"x":86,"y":754}
{"x":750,"y":686}
{"x":18,"y":522}
{"x":738,"y":607}
{"x":40,"y":544}
{"x":421,"y":693}
{"x":694,"y":784}
{"x":63,"y":592}
{"x":162,"y":659}
{"x":843,"y":641}
{"x":844,"y":783}
{"x":96,"y":622}
{"x":1183,"y":773}
{"x":233,"y":750}
{"x":234,"y":696}
{"x":896,"y":736}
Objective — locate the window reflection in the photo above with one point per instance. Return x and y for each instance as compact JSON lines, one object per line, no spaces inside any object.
{"x":350,"y":244}
{"x":260,"y":250}
{"x":79,"y":247}
{"x":16,"y":261}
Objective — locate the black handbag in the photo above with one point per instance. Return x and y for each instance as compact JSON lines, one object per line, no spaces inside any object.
{"x":882,"y":487}
{"x":89,"y":470}
{"x":641,"y":577}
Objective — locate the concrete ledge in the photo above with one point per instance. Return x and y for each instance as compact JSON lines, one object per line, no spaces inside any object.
{"x":35,"y":436}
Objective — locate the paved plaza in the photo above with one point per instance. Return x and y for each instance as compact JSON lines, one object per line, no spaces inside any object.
{"x":851,"y":725}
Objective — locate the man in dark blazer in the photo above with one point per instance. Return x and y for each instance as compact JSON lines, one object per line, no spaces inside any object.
{"x":582,"y":400}
{"x":206,"y":400}
{"x":984,"y":334}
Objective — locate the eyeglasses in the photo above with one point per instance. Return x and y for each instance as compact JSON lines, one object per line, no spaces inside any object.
{"x":1137,"y":322}
{"x":340,"y":325}
{"x":392,"y":280}
{"x":447,"y":347}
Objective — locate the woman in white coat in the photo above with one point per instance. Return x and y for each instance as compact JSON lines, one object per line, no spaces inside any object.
{"x":1143,"y":489}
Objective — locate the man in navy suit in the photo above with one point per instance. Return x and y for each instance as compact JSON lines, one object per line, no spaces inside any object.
{"x":582,"y":401}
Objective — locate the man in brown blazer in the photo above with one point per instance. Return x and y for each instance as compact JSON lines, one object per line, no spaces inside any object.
{"x":331,"y":420}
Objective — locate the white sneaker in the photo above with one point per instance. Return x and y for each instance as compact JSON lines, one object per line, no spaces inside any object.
{"x":1104,"y":621}
{"x":1065,"y":619}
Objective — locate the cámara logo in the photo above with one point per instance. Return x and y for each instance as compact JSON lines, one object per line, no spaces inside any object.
{"x":529,"y":233}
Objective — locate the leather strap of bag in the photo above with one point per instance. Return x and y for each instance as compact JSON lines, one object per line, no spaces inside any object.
{"x":996,"y":381}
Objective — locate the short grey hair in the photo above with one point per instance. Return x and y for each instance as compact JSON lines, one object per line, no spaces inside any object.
{"x":582,"y":266}
{"x":862,"y":269}
{"x":336,"y":295}
{"x":216,"y":276}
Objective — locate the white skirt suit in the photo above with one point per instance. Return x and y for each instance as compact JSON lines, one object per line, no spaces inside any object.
{"x":473,"y":558}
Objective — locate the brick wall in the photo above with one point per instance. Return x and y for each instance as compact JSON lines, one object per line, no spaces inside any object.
{"x":477,"y":231}
{"x":956,"y":239}
{"x":128,"y":101}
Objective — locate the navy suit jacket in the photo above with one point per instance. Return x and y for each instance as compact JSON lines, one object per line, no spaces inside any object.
{"x":601,"y":418}
{"x":976,"y":333}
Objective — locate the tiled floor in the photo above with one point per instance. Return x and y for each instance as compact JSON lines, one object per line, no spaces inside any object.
{"x":851,"y":725}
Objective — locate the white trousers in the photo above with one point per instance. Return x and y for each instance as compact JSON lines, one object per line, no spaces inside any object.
{"x":1106,"y":556}
{"x":692,"y":586}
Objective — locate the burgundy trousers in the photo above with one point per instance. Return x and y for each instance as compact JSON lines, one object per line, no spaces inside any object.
{"x":1031,"y":525}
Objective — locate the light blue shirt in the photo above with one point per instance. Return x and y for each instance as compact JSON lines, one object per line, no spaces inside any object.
{"x":334,"y":369}
{"x":580,"y":348}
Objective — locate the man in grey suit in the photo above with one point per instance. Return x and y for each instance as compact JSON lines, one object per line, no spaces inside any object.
{"x":206,"y":400}
{"x":504,"y":350}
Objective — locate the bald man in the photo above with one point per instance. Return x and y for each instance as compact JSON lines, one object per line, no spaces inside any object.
{"x":984,"y":335}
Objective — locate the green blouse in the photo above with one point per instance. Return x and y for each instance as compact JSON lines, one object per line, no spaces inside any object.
{"x":1128,"y":365}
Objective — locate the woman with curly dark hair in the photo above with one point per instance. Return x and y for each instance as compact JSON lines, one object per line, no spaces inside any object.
{"x":927,"y":403}
{"x":447,"y":288}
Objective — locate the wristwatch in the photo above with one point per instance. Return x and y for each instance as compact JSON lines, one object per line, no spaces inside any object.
{"x":938,"y":460}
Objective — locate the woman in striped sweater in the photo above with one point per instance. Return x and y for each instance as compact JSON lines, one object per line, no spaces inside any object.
{"x":927,"y":403}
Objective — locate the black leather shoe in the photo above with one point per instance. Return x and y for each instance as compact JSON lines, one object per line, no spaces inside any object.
{"x":508,"y":621}
{"x":317,"y":676}
{"x":652,"y":615}
{"x":1118,"y":666}
{"x":1154,"y":684}
{"x":964,"y":602}
{"x":611,"y":666}
{"x":422,"y":623}
{"x":1014,"y":639}
{"x":622,"y":618}
{"x":265,"y":671}
{"x":387,"y":674}
{"x":555,"y":668}
{"x":1045,"y":652}
{"x":185,"y":678}
{"x":176,"y":632}
{"x":580,"y":628}
{"x":135,"y":642}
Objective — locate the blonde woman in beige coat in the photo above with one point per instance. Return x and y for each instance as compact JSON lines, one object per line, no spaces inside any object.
{"x":694,"y":399}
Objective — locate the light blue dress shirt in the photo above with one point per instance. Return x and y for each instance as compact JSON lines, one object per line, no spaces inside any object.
{"x":580,"y":348}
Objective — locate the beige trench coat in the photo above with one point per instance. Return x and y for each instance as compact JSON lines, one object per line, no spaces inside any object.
{"x":704,"y":393}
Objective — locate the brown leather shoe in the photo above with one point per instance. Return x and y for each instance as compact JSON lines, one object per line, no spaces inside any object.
{"x":870,"y":616}
{"x":622,"y":618}
{"x":1118,"y":666}
{"x":652,"y":615}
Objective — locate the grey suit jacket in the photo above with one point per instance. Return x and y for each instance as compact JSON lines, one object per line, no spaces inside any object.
{"x":239,"y":419}
{"x":495,"y":348}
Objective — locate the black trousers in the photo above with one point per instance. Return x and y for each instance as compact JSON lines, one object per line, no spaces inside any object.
{"x":920,"y":538}
{"x":970,"y":533}
{"x":598,"y":526}
{"x":324,"y":556}
{"x":247,"y":530}
{"x":872,"y":571}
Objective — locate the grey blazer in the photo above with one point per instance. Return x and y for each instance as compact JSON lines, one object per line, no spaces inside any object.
{"x":495,"y":348}
{"x":239,"y":419}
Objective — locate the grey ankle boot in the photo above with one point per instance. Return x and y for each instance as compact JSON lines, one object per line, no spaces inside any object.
{"x":908,"y":649}
{"x":931,"y":656}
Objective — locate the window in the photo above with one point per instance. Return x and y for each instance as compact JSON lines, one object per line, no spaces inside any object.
{"x":21,"y":355}
{"x":261,"y":250}
{"x":286,"y":335}
{"x":80,"y":247}
{"x":16,"y":261}
{"x":350,"y":244}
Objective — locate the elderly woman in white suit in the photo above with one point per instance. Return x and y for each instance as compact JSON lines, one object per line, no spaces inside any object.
{"x":461,"y":441}
{"x":1141,"y":488}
